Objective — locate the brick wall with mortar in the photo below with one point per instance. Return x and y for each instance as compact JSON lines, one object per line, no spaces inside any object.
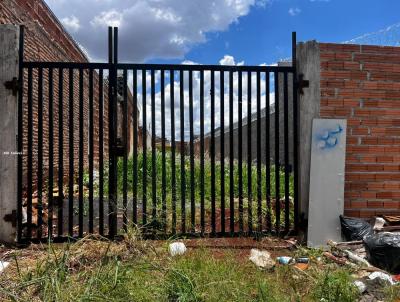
{"x":362,"y":84}
{"x":46,"y":40}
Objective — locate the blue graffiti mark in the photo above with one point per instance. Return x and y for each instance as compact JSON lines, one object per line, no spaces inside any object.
{"x":328,"y":138}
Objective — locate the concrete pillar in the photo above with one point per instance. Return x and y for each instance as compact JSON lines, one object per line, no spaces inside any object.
{"x":308,"y":64}
{"x":9,"y":46}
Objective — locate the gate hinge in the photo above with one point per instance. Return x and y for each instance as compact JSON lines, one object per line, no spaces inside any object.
{"x":301,"y":83}
{"x":12,"y":85}
{"x":11,"y":218}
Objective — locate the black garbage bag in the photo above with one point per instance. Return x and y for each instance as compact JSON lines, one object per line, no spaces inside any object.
{"x":355,"y":228}
{"x":383,"y":251}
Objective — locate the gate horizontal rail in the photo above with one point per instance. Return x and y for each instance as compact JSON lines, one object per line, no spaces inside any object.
{"x":193,"y":150}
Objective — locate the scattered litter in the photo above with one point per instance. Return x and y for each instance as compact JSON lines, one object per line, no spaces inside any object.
{"x":357,"y":259}
{"x":382,"y":276}
{"x":361,"y":286}
{"x":383,"y":251}
{"x":261,"y":258}
{"x":392,"y":220}
{"x":396,"y":278}
{"x":3,"y":265}
{"x":177,"y":248}
{"x":379,"y":223}
{"x":302,"y":266}
{"x":338,"y":260}
{"x":284,"y":260}
{"x":355,"y":228}
{"x":302,"y":260}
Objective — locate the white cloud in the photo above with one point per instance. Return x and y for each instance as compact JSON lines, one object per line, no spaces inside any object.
{"x":294,"y":11}
{"x":196,"y":98}
{"x":227,"y":60}
{"x":150,"y":29}
{"x":107,"y":18}
{"x":71,"y":23}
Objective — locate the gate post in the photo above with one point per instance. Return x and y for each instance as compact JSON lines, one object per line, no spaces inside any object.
{"x":9,"y":65}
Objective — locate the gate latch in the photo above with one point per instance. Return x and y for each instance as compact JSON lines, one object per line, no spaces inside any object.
{"x":12,"y":85}
{"x":11,"y":218}
{"x":301,"y":83}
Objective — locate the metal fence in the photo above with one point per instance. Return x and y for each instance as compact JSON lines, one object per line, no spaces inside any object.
{"x":164,"y":187}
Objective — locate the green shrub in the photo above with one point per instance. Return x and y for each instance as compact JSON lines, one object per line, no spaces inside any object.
{"x":336,"y":286}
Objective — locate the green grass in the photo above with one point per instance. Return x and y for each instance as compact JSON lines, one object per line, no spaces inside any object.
{"x":170,"y":185}
{"x":136,"y":270}
{"x":197,"y":178}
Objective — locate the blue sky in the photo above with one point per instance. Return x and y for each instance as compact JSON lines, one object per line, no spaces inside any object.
{"x":264,"y":35}
{"x":204,"y":31}
{"x":250,"y":32}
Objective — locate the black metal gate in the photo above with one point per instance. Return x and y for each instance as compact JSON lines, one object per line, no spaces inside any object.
{"x":193,"y":150}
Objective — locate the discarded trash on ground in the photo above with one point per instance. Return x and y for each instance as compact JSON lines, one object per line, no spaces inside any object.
{"x":382,"y":276}
{"x":383,"y":251}
{"x":3,"y":265}
{"x":261,"y":259}
{"x":355,"y":228}
{"x":177,"y":249}
{"x":361,"y":286}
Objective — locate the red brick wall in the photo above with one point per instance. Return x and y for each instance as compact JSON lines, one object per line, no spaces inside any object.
{"x":362,"y":84}
{"x":46,"y":40}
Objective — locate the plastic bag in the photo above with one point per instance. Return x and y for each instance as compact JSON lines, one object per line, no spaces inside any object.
{"x":355,"y":228}
{"x":383,"y":251}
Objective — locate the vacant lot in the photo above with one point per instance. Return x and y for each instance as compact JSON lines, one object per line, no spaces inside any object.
{"x":137,"y":270}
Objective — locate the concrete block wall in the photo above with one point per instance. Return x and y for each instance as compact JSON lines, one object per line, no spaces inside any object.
{"x":361,"y":83}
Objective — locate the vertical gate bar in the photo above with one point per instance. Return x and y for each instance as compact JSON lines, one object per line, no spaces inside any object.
{"x":163,"y":172}
{"x":144,"y":144}
{"x":277,"y":162}
{"x":249,"y":165}
{"x":182,"y":150}
{"x":202,"y":209}
{"x":153,"y":148}
{"x":222,"y":148}
{"x":40,"y":154}
{"x":231,"y":167}
{"x":60,"y":202}
{"x":91,"y":144}
{"x":20,"y":132}
{"x":192,"y":186}
{"x":71,"y":153}
{"x":50,"y":181}
{"x":212,"y":147}
{"x":30,"y":155}
{"x":80,"y":204}
{"x":286,"y":143}
{"x":110,"y":134}
{"x":112,"y":182}
{"x":125,"y":160}
{"x":240,"y":153}
{"x":259,"y":209}
{"x":81,"y":163}
{"x":173,"y":177}
{"x":101,"y":160}
{"x":135,"y":146}
{"x":267,"y":149}
{"x":295,"y":135}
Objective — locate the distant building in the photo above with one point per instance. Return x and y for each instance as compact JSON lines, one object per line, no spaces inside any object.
{"x":263,"y":129}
